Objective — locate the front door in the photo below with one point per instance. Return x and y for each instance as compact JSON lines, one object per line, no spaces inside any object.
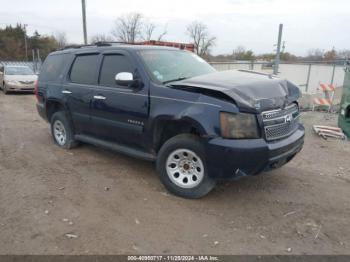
{"x":119,"y":113}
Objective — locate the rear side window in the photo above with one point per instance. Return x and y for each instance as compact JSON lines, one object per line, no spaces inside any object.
{"x":52,"y":68}
{"x":112,"y":65}
{"x":84,"y":69}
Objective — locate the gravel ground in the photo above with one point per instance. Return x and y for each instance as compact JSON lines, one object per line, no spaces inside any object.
{"x":92,"y":201}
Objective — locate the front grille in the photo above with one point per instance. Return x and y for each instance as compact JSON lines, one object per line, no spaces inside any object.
{"x":280,"y":112}
{"x":26,"y":82}
{"x":280,"y":123}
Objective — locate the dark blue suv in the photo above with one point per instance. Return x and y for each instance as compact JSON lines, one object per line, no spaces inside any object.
{"x":170,"y":106}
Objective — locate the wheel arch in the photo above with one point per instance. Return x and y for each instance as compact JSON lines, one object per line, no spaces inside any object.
{"x":53,"y":106}
{"x":347,"y":111}
{"x":165,"y":128}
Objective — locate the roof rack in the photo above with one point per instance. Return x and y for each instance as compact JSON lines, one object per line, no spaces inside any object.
{"x":189,"y":47}
{"x":100,"y":43}
{"x":110,"y":43}
{"x":74,"y":46}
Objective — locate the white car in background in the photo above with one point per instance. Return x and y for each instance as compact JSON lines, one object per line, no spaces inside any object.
{"x":17,"y":79}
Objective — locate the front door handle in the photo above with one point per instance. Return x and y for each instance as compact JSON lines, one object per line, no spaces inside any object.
{"x":100,"y":97}
{"x":66,"y":92}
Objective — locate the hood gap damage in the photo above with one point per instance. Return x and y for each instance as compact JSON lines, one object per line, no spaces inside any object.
{"x":207,"y":92}
{"x":249,"y":91}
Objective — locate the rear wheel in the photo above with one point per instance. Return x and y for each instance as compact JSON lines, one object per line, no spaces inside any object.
{"x":62,"y":131}
{"x":182,"y":168}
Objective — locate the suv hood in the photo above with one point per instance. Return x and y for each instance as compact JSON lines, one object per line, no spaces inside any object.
{"x":250,"y":90}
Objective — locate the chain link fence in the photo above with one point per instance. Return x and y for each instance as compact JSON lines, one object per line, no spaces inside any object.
{"x":35,"y":66}
{"x":307,"y":75}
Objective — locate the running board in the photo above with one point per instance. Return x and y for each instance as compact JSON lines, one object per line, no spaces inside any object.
{"x":116,"y":147}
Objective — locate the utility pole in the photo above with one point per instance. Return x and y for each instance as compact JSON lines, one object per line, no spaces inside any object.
{"x":34,"y":62}
{"x":278,"y":51}
{"x":283,"y":46}
{"x":84,"y":21}
{"x":25,"y":40}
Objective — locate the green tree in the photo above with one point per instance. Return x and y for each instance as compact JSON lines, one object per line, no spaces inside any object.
{"x":12,"y":45}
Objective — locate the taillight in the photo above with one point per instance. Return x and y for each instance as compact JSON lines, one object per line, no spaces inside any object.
{"x":36,"y":91}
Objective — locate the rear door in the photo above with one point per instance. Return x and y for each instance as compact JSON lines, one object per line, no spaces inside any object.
{"x":78,"y":90}
{"x":119,"y":113}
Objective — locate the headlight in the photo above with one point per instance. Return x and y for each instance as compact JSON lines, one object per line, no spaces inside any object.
{"x":239,"y":125}
{"x":11,"y":82}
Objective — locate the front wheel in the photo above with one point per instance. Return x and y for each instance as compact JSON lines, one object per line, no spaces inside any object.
{"x":182,"y":168}
{"x":4,"y":89}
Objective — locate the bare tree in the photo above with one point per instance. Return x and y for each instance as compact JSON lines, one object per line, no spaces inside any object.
{"x":344,"y":54}
{"x":133,"y":27}
{"x":128,"y":28}
{"x":330,"y":55}
{"x":61,"y":39}
{"x":239,"y":50}
{"x":240,"y":53}
{"x":201,"y":38}
{"x":100,"y":38}
{"x":315,"y":54}
{"x":163,"y":33}
{"x":148,"y":31}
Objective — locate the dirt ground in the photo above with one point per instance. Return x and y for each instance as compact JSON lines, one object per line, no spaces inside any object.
{"x":113,"y":204}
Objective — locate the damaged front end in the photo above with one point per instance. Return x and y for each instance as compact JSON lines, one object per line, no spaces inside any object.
{"x":273,"y":103}
{"x":250,"y":91}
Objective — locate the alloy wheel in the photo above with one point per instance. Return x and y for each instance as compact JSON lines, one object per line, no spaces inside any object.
{"x":59,"y":132}
{"x":185,"y":168}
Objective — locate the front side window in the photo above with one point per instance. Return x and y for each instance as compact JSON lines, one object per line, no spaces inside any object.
{"x":84,"y":69}
{"x":171,"y":65}
{"x":111,"y":66}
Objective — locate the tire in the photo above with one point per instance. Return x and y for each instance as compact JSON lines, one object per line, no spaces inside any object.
{"x":62,"y":131}
{"x":4,"y":89}
{"x":184,"y":176}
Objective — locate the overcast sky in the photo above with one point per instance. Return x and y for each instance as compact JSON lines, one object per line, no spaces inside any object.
{"x":251,"y":23}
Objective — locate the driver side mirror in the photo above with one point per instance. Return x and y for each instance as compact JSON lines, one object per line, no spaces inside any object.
{"x":126,"y":79}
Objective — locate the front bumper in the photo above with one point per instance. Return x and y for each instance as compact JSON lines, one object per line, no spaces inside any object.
{"x":344,"y":118}
{"x":20,"y":87}
{"x":229,"y":159}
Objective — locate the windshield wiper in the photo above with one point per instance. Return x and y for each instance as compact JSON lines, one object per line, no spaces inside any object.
{"x":173,"y":80}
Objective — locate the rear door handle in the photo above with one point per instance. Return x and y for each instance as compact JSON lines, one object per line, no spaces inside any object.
{"x":100,"y":97}
{"x":66,"y":92}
